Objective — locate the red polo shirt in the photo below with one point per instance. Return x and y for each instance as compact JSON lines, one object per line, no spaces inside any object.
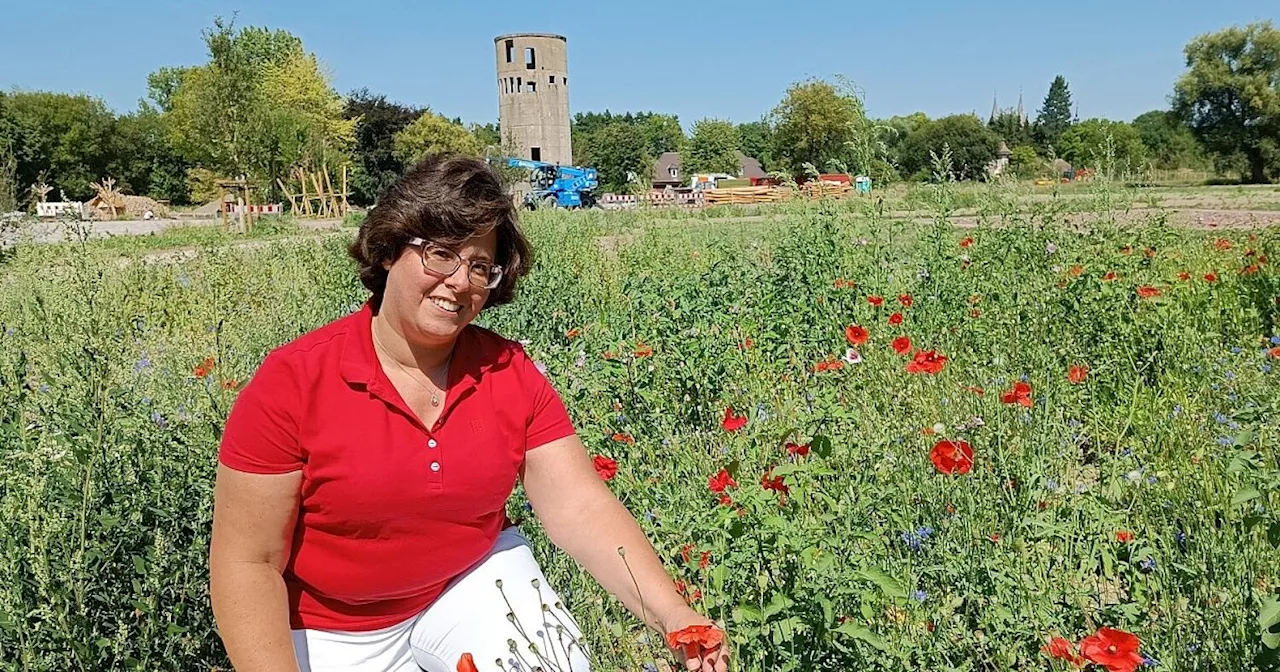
{"x":391,"y":510}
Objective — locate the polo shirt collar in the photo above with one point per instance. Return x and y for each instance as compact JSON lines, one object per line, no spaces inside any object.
{"x":472,"y":357}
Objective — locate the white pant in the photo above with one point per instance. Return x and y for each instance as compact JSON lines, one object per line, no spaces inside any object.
{"x":471,"y":616}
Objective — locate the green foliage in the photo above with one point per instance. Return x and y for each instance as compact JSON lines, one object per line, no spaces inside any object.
{"x":972,"y":147}
{"x":1055,"y":114}
{"x":144,"y":161}
{"x":433,"y":133}
{"x":757,"y":142}
{"x":713,"y":148}
{"x":260,"y":107}
{"x":624,"y":147}
{"x":1168,"y":141}
{"x":377,"y":122}
{"x":1113,"y":147}
{"x":1230,"y":95}
{"x":1012,"y":129}
{"x":63,"y":140}
{"x":815,"y":123}
{"x":872,"y":561}
{"x":1025,"y":162}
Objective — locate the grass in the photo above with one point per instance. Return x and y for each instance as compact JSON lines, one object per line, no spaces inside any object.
{"x":1142,"y":498}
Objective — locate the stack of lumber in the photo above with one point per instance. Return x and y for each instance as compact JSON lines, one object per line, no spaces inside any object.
{"x":745,"y":195}
{"x":819,"y":189}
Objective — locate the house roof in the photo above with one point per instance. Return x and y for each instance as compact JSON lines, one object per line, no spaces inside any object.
{"x":747,"y":167}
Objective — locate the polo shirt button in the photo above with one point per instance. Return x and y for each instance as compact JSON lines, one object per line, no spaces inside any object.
{"x":431,"y":443}
{"x":435,"y":466}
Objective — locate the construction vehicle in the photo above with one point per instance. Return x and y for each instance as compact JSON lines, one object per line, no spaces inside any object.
{"x":557,"y":186}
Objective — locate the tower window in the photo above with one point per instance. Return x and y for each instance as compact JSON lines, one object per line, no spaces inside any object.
{"x":530,"y":62}
{"x":531,"y":86}
{"x":535,"y":153}
{"x":511,"y":50}
{"x":553,"y":79}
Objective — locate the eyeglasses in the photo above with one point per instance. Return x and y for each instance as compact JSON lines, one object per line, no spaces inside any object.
{"x":439,"y":260}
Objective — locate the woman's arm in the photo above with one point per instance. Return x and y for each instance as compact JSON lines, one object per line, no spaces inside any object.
{"x":253,"y":520}
{"x":583,"y":518}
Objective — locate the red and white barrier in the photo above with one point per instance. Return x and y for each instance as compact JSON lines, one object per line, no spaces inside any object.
{"x":268,"y":209}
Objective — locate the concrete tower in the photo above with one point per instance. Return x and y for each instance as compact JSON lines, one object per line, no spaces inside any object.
{"x":533,"y":95}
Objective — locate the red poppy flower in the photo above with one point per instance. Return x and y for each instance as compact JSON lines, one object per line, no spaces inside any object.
{"x":895,"y":319}
{"x":966,"y":241}
{"x":623,"y":438}
{"x":203,"y":368}
{"x":1061,"y":649}
{"x":976,"y":390}
{"x":905,"y":300}
{"x":901,"y":345}
{"x":1075,"y":270}
{"x":720,"y":481}
{"x":1077,"y":373}
{"x":975,"y":313}
{"x":1113,"y":649}
{"x":467,"y":664}
{"x":1184,"y":276}
{"x":1210,"y":277}
{"x":1124,"y":536}
{"x":797,"y":449}
{"x":725,"y":500}
{"x":855,"y":334}
{"x":774,"y":483}
{"x":1251,"y":269}
{"x":731,"y":422}
{"x":927,"y":361}
{"x":704,"y":560}
{"x":952,"y":457}
{"x":606,"y":467}
{"x":1274,"y":352}
{"x":1222,"y":244}
{"x":1020,"y":393}
{"x":746,"y":345}
{"x":643,"y":350}
{"x":230,"y":384}
{"x":1147,"y":291}
{"x":696,"y":638}
{"x":1111,"y":275}
{"x":573,"y":333}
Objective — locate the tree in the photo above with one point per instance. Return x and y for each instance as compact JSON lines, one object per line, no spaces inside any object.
{"x":377,"y":122}
{"x":144,"y":161}
{"x":662,"y":133}
{"x":972,"y":146}
{"x":1168,"y":141}
{"x":260,"y":107}
{"x":618,"y":154}
{"x":1024,"y":162}
{"x":713,"y":148}
{"x":1054,"y":117}
{"x":1230,"y":94}
{"x":1101,"y":144}
{"x":61,"y":139}
{"x":815,"y":124}
{"x":433,"y":133}
{"x":757,"y":142}
{"x":1011,"y":128}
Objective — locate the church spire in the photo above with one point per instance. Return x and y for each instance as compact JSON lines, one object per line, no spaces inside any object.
{"x":1022,"y":113}
{"x":994,"y":108}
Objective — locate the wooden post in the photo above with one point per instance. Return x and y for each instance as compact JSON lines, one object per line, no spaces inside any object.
{"x":345,"y":206}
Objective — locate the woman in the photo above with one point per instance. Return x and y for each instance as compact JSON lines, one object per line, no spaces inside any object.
{"x":359,"y":507}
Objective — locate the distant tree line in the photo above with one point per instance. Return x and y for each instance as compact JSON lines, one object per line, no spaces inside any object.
{"x":262,"y":106}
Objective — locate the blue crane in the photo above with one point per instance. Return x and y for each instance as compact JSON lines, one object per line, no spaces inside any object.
{"x":557,"y":186}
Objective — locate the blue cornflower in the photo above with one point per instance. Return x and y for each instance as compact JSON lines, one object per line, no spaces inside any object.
{"x":1180,"y":537}
{"x":650,"y":667}
{"x":1149,"y":661}
{"x":1147,"y":564}
{"x":184,"y":280}
{"x":1151,"y":480}
{"x":919,"y":596}
{"x":1220,"y":418}
{"x":1225,"y":440}
{"x":157,"y":418}
{"x":144,"y":362}
{"x":1051,"y":484}
{"x":1177,"y":410}
{"x":1231,"y":375}
{"x":915,"y":539}
{"x":1235,"y":350}
{"x":1275,"y":340}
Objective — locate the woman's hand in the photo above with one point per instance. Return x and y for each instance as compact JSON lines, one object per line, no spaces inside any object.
{"x":697,"y":641}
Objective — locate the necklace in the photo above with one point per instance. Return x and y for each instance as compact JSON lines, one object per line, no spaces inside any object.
{"x":435,"y":395}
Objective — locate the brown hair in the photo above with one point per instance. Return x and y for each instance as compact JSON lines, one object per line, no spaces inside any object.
{"x":447,"y":200}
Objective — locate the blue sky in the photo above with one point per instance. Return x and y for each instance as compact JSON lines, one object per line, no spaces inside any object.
{"x":731,"y":60}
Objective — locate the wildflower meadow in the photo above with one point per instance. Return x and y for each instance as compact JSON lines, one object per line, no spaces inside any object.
{"x":858,"y":443}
